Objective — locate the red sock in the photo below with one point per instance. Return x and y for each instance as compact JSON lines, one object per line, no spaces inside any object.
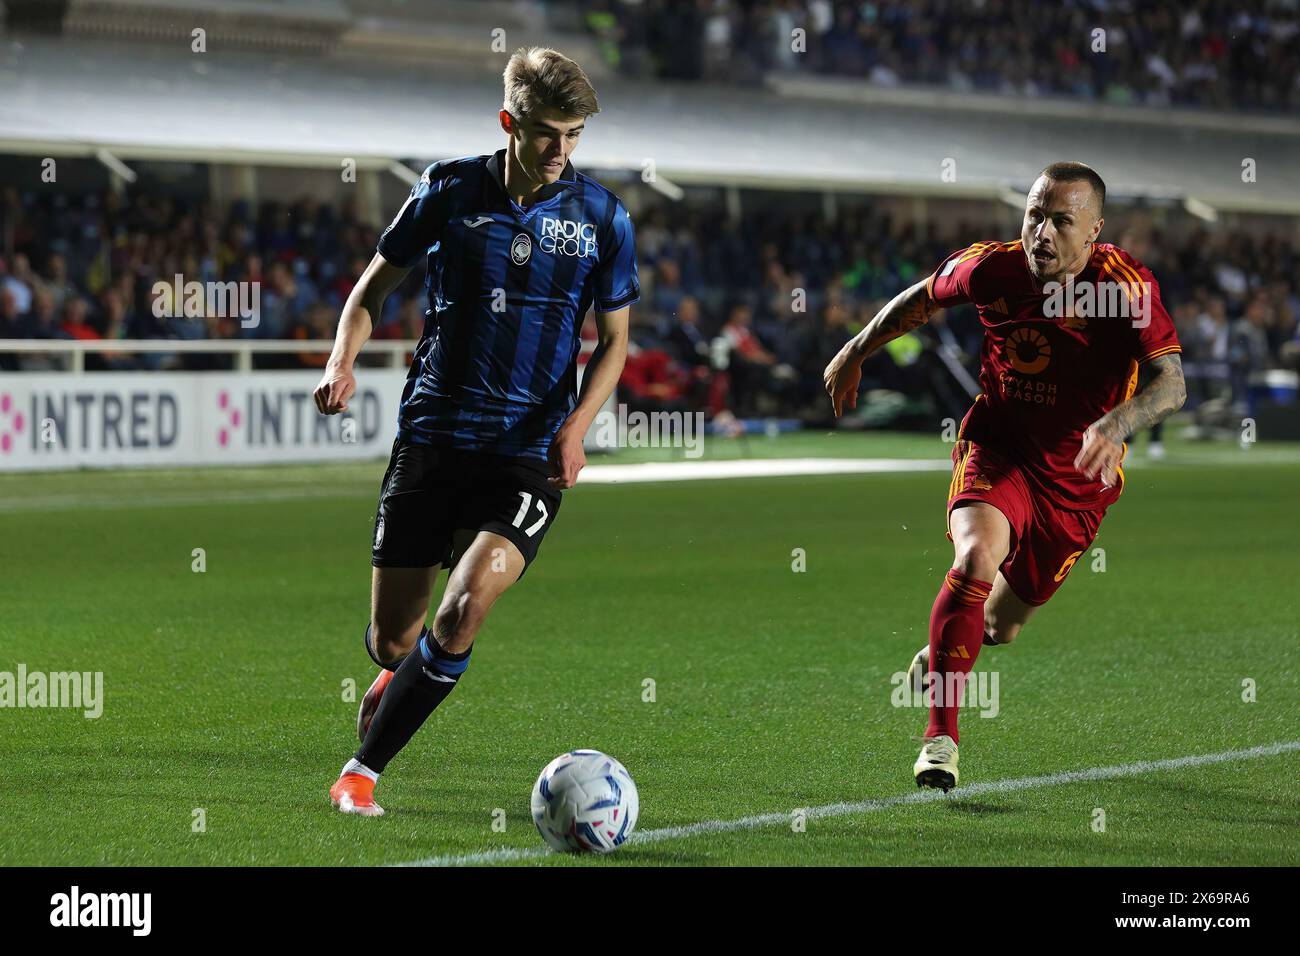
{"x":956,"y":634}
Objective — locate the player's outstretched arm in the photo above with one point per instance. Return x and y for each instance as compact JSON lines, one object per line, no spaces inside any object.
{"x":1103,"y":442}
{"x":355,"y":325}
{"x":604,"y":369}
{"x":908,"y":310}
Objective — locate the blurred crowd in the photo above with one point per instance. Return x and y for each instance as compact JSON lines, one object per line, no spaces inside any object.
{"x":87,"y":268}
{"x":735,"y":316}
{"x":1206,"y":53}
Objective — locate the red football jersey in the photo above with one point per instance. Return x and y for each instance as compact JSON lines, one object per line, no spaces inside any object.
{"x":1051,"y":365}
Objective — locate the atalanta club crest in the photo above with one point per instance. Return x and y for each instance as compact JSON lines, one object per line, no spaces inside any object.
{"x":521,"y":247}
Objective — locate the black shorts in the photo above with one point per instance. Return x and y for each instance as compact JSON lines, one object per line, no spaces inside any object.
{"x":430,"y":492}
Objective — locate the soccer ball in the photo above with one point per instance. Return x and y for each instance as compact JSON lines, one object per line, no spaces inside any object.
{"x":585,"y":802}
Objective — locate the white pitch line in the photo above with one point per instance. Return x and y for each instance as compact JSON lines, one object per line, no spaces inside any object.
{"x":704,"y":470}
{"x":511,"y":854}
{"x":592,"y":475}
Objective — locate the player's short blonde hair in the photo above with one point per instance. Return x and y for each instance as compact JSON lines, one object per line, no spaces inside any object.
{"x":537,"y":78}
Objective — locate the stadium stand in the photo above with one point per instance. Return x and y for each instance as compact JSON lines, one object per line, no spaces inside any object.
{"x":85,"y":266}
{"x":1205,"y":53}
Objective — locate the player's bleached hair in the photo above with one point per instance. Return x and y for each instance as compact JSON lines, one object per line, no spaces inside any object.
{"x":537,"y":78}
{"x":1072,"y":172}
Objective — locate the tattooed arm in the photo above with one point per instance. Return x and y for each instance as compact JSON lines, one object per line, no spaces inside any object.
{"x":908,"y":310}
{"x":1103,"y":442}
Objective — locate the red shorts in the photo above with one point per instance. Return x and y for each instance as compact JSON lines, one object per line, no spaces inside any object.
{"x":1046,"y":539}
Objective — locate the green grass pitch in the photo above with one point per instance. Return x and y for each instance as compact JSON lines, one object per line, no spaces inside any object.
{"x":225,"y":689}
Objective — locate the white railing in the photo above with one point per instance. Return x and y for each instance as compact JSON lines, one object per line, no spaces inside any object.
{"x":396,"y":350}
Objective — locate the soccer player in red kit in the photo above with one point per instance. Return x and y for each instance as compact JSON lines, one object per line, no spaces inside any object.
{"x":1067,"y":322}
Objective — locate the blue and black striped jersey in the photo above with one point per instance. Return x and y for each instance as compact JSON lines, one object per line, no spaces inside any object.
{"x":509,"y":286}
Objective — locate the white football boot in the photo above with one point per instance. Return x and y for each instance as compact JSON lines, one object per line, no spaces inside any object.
{"x":937,"y":765}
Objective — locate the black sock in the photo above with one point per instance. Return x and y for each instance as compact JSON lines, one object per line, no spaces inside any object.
{"x":419,"y":685}
{"x":394,"y":664}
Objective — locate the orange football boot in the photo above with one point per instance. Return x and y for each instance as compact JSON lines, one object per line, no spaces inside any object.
{"x":355,"y":793}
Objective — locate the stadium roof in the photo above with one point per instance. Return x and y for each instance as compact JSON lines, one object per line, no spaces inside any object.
{"x":75,"y":96}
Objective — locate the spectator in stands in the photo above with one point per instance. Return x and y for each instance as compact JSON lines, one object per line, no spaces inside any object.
{"x":41,"y":323}
{"x":43,"y":320}
{"x":21,"y":281}
{"x":741,"y":340}
{"x":284,"y":295}
{"x":685,"y":335}
{"x":114,"y":311}
{"x":12,"y":324}
{"x":1247,"y":349}
{"x":249,"y":270}
{"x":75,"y":322}
{"x":653,"y":382}
{"x":56,"y":280}
{"x":668,"y":292}
{"x":1213,"y":339}
{"x":318,"y":323}
{"x":754,"y":370}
